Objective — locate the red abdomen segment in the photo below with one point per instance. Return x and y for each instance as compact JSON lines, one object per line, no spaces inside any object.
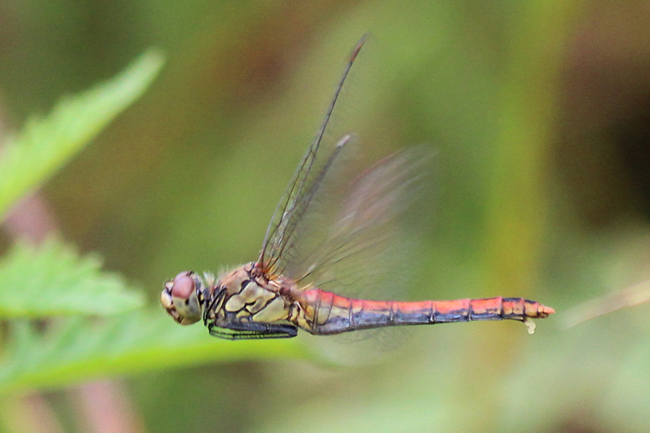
{"x":333,"y":314}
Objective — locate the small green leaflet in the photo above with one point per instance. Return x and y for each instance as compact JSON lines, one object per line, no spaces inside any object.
{"x":52,"y":280}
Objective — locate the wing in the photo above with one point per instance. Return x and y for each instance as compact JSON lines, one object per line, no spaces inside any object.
{"x":358,"y":237}
{"x":277,"y":248}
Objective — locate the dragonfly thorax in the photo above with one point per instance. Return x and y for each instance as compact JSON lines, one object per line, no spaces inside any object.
{"x":244,"y":294}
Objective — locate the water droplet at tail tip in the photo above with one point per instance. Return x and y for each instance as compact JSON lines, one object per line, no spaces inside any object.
{"x":543,"y":312}
{"x":530,"y":325}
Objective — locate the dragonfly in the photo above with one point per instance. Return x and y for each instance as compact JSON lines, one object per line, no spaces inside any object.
{"x":284,"y":289}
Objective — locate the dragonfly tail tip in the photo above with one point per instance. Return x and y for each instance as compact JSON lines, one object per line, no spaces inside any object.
{"x":547,"y":311}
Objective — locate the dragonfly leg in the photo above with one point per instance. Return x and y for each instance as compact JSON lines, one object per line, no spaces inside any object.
{"x":252,"y":330}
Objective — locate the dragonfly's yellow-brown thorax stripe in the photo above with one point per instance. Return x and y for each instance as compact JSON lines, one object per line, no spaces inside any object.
{"x":251,"y":297}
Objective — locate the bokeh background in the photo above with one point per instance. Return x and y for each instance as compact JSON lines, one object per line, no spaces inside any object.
{"x":539,"y":113}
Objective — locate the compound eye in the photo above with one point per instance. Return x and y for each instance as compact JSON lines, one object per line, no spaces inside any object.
{"x":183,"y":285}
{"x":183,"y":299}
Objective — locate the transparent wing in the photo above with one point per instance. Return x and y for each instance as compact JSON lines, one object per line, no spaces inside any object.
{"x":360,"y":239}
{"x":281,"y":232}
{"x":359,"y":234}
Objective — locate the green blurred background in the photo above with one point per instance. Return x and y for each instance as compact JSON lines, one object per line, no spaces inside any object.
{"x":540,"y":115}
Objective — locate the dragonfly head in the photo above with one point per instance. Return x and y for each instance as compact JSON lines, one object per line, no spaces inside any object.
{"x":183,"y":298}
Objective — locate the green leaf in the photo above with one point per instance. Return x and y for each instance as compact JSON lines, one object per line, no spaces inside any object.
{"x":52,"y":280}
{"x":82,"y":348}
{"x":46,"y":144}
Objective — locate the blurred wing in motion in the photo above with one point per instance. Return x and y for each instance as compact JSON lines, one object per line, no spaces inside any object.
{"x":356,"y":238}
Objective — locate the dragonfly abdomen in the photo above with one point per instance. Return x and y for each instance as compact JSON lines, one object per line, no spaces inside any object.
{"x":333,"y":314}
